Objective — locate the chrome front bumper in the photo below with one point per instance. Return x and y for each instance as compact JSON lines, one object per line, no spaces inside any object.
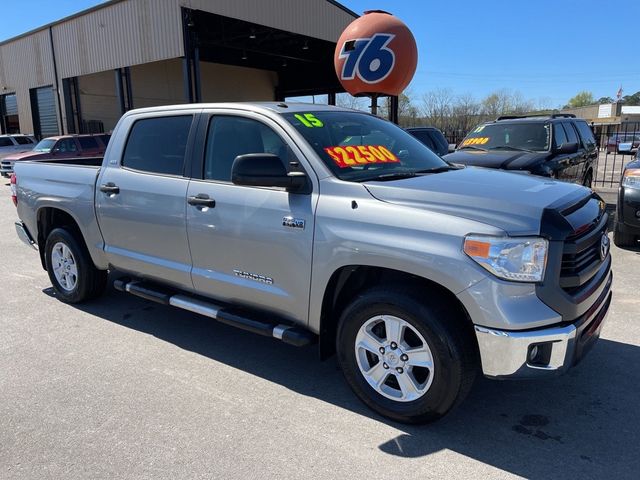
{"x":512,"y":354}
{"x":24,"y":235}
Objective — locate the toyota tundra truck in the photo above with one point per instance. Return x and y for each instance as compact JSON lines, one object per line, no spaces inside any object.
{"x":312,"y":223}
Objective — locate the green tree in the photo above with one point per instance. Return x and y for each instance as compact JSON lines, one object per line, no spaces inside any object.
{"x":631,"y":99}
{"x":605,"y":100}
{"x":582,"y":99}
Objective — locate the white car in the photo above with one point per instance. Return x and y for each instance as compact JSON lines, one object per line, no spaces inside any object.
{"x":15,"y":143}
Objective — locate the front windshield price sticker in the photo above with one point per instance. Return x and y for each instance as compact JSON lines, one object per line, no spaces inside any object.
{"x":353,"y":156}
{"x":475,"y":141}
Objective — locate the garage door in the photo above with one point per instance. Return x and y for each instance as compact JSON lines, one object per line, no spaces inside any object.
{"x":9,"y":113}
{"x":43,"y":106}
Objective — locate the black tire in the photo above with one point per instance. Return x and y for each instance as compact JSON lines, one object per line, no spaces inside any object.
{"x":622,"y":239}
{"x":448,"y":334}
{"x":90,"y":282}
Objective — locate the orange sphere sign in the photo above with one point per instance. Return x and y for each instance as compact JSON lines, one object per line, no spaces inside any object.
{"x":376,"y":54}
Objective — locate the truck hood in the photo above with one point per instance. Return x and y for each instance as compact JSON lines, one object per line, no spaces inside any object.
{"x":504,"y":159}
{"x":26,"y":155}
{"x":513,"y":202}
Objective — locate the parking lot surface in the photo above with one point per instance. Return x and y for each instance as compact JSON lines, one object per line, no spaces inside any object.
{"x":124,"y":388}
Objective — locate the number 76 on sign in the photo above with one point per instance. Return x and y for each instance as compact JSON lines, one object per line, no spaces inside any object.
{"x":370,"y":59}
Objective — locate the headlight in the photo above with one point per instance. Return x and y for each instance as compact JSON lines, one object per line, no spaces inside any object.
{"x":517,"y":259}
{"x":631,"y":178}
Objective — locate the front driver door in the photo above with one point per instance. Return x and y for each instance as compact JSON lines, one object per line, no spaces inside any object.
{"x":243,"y":250}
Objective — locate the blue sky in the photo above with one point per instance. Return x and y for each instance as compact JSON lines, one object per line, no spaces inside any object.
{"x":546,"y":49}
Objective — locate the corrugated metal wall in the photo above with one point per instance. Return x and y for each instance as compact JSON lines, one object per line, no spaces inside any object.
{"x":26,"y":63}
{"x":133,"y":32}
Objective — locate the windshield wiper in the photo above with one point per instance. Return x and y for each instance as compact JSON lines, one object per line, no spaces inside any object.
{"x":473,"y":147}
{"x":443,"y":168}
{"x":509,"y":147}
{"x":389,"y":176}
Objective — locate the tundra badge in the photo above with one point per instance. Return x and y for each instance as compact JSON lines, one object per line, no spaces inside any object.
{"x":293,"y":222}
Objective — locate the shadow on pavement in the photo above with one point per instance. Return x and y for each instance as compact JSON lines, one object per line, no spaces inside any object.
{"x":587,"y":421}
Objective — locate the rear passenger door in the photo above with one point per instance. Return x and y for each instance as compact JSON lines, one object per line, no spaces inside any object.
{"x":141,"y":198}
{"x":243,"y":250}
{"x":576,"y":160}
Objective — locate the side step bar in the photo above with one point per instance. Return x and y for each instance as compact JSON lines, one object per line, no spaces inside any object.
{"x":290,"y":334}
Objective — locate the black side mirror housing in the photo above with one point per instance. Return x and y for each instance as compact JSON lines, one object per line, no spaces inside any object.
{"x":266,"y":170}
{"x":567,"y":148}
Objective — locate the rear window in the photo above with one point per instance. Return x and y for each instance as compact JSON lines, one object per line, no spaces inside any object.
{"x":105,"y":139}
{"x":158,"y":145}
{"x":5,"y":142}
{"x":23,"y":140}
{"x":88,"y":143}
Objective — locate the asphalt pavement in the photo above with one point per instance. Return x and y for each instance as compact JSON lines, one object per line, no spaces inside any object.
{"x":127,"y":389}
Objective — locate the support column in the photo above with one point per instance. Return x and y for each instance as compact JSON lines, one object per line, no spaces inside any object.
{"x":393,"y":109}
{"x":331,"y":98}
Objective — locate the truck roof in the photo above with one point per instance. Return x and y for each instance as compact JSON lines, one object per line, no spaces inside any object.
{"x":278,"y":107}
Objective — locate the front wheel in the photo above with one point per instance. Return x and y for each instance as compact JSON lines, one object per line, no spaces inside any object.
{"x":622,"y":239}
{"x":411,"y":361}
{"x":72,"y":273}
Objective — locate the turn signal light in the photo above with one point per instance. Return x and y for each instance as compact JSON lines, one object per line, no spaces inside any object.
{"x":14,"y":189}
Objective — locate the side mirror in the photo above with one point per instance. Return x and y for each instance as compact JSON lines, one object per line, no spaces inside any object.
{"x":567,"y":148}
{"x":265,"y":170}
{"x":452,"y":147}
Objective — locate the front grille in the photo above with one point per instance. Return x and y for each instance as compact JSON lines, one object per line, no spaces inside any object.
{"x":581,"y":257}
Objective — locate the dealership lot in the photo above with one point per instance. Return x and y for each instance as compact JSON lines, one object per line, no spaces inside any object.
{"x":123,"y":388}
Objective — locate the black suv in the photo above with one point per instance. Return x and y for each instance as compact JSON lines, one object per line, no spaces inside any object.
{"x":432,"y":138}
{"x":559,"y":146}
{"x":627,"y":229}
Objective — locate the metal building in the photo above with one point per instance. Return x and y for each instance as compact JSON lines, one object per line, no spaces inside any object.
{"x":79,"y":74}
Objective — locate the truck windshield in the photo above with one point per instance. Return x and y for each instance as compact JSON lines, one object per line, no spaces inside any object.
{"x":509,"y":136}
{"x":359,"y":147}
{"x":44,"y":145}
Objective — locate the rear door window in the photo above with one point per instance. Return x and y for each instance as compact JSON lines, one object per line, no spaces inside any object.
{"x":572,"y":136}
{"x":158,"y":145}
{"x":559,"y":135}
{"x":88,"y":143}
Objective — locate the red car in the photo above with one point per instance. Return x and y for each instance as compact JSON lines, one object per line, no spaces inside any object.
{"x":59,"y":148}
{"x":623,"y":143}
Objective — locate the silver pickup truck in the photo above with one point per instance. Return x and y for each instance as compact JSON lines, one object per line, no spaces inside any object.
{"x":314,"y":223}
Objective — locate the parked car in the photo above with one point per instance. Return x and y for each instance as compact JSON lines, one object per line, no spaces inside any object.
{"x":59,"y":148}
{"x":15,"y":143}
{"x":559,"y":146}
{"x":432,"y":138}
{"x":627,"y":226}
{"x":623,"y":143}
{"x":269,"y":217}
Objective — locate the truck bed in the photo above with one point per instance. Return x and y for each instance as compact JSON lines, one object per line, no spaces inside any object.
{"x":67,"y":185}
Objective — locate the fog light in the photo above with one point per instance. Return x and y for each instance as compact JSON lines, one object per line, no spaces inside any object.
{"x":540,"y":354}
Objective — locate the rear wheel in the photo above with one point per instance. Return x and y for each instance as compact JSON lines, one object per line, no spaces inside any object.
{"x":623,"y":239}
{"x":71,"y":270}
{"x":411,"y":361}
